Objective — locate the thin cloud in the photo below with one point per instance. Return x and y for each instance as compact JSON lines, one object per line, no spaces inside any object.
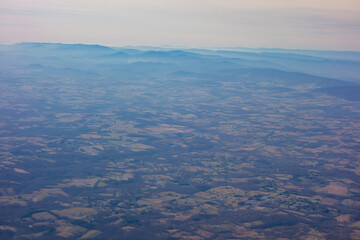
{"x":256,"y":23}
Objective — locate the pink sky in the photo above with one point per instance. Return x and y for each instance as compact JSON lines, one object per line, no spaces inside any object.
{"x":316,"y":24}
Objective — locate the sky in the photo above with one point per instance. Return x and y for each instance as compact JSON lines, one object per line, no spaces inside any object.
{"x":294,"y":24}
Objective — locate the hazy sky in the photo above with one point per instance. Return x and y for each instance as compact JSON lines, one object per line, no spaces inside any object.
{"x":306,"y":24}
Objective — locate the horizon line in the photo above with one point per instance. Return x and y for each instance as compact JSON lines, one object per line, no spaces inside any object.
{"x":181,"y":47}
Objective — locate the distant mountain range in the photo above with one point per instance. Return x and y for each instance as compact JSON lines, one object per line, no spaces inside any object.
{"x":325,"y":69}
